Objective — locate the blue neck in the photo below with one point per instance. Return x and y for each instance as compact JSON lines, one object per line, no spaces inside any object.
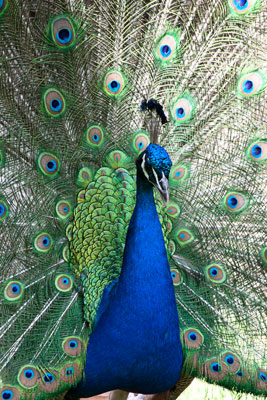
{"x":136,"y":343}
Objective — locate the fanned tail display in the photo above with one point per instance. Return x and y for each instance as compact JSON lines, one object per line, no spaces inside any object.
{"x":85,"y":87}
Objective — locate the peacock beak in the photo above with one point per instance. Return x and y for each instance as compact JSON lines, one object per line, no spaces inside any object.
{"x":163,"y":188}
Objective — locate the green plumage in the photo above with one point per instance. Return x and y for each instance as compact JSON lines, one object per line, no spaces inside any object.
{"x":69,"y":139}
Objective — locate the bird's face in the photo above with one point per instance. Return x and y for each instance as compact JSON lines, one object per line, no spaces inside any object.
{"x":154,"y":165}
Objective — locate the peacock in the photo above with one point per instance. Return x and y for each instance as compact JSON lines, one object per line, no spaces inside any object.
{"x":133,"y":157}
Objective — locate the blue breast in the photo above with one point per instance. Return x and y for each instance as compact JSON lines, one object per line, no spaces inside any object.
{"x":136,"y":342}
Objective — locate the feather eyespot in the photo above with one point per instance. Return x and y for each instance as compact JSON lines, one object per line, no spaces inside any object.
{"x":166,"y":48}
{"x":28,"y":376}
{"x":114,"y":83}
{"x":54,"y":102}
{"x":176,"y":277}
{"x":173,"y":210}
{"x":85,"y":176}
{"x":240,"y":7}
{"x":263,"y":254}
{"x":64,"y":283}
{"x":178,"y":174}
{"x":43,"y":242}
{"x":183,"y":108}
{"x":184,"y":237}
{"x":49,"y":165}
{"x":66,"y":253}
{"x":235,"y":202}
{"x":193,"y":338}
{"x":63,"y":209}
{"x":70,"y":373}
{"x":171,"y":247}
{"x":261,"y":379}
{"x":3,"y":210}
{"x":9,"y":393}
{"x":232,"y":360}
{"x":215,"y":273}
{"x":49,"y":381}
{"x":140,"y":142}
{"x":94,"y":136}
{"x":3,"y":6}
{"x":72,"y":346}
{"x":250,"y":84}
{"x":257,"y":151}
{"x":213,"y":369}
{"x":14,"y":291}
{"x":63,"y":32}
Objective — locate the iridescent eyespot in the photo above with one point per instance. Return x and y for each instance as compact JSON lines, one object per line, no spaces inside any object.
{"x":114,"y":83}
{"x":140,"y":142}
{"x":72,"y":346}
{"x":183,"y":109}
{"x":171,"y":247}
{"x":63,"y":209}
{"x":3,"y":210}
{"x":261,"y":379}
{"x":215,"y":273}
{"x":63,"y":32}
{"x":117,"y":159}
{"x":250,"y":84}
{"x":49,"y":165}
{"x":28,"y":376}
{"x":13,"y":291}
{"x":235,"y":202}
{"x":85,"y":176}
{"x":173,"y":210}
{"x":232,"y":360}
{"x":54,"y":102}
{"x":240,"y":7}
{"x":263,"y":254}
{"x":94,"y":136}
{"x":64,"y":283}
{"x":49,"y":381}
{"x":213,"y":369}
{"x":257,"y":151}
{"x":176,"y":277}
{"x":178,"y":174}
{"x":193,"y":338}
{"x":70,"y":373}
{"x":167,"y":47}
{"x":9,"y":392}
{"x":3,"y":6}
{"x":43,"y":242}
{"x":184,"y":237}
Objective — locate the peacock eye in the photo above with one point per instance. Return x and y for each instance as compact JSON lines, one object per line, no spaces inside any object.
{"x":49,"y":165}
{"x":114,"y":83}
{"x":48,"y":377}
{"x":62,"y":31}
{"x":43,"y":242}
{"x":182,"y":110}
{"x":167,"y":47}
{"x":193,"y":338}
{"x":13,"y":291}
{"x":257,"y":151}
{"x":3,"y":210}
{"x":176,"y":277}
{"x":235,"y":202}
{"x":216,"y":367}
{"x":28,"y":376}
{"x":72,"y":346}
{"x":64,"y":283}
{"x":215,"y":273}
{"x":240,"y":7}
{"x":63,"y":209}
{"x":94,"y":136}
{"x":54,"y":102}
{"x":250,"y":84}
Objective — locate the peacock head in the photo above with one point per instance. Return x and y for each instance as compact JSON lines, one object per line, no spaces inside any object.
{"x":154,"y":165}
